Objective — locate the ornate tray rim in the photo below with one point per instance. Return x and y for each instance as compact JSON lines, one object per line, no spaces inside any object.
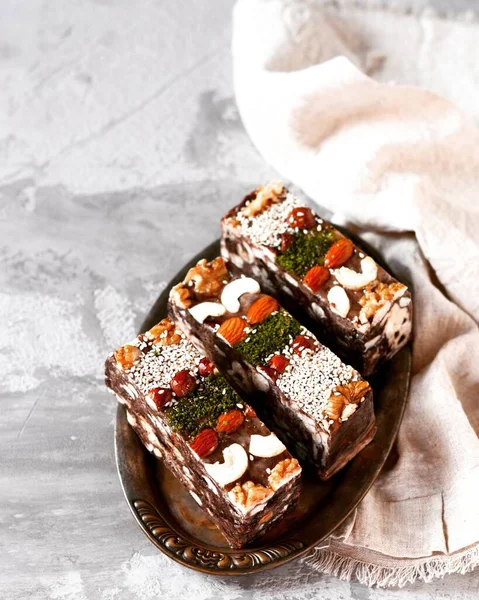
{"x":172,"y":540}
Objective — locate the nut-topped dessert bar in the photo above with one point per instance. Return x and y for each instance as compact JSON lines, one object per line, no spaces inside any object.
{"x":186,"y":413}
{"x":353,"y":304}
{"x":317,"y":404}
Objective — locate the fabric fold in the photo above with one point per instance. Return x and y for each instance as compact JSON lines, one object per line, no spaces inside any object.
{"x":402,"y":164}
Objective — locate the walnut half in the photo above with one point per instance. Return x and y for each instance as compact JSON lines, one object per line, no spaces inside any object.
{"x":181,"y":295}
{"x":285,"y":469}
{"x":266,"y":195}
{"x":343,"y":396}
{"x":164,"y":333}
{"x":207,"y":278}
{"x":375,"y":297}
{"x":249,"y":494}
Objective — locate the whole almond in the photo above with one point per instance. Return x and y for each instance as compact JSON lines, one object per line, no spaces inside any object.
{"x":205,"y":442}
{"x":230,"y":421}
{"x":316,"y":277}
{"x":232,"y":330}
{"x":339,"y":253}
{"x":262,"y":308}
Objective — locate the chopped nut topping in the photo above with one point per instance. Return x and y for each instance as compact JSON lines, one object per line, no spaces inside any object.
{"x":181,"y":295}
{"x":285,"y":469}
{"x":207,"y":278}
{"x":164,"y":333}
{"x":248,"y":494}
{"x":334,"y":407}
{"x":268,"y":194}
{"x":127,"y":356}
{"x":375,"y":297}
{"x":343,"y":395}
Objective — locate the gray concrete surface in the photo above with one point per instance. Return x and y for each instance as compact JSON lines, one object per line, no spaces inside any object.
{"x":120,"y":147}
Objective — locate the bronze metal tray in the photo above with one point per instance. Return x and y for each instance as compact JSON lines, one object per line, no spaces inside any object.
{"x":176,"y":525}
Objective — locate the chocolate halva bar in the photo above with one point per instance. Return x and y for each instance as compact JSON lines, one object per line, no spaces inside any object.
{"x":319,"y":406}
{"x":186,"y":414}
{"x":352,"y":304}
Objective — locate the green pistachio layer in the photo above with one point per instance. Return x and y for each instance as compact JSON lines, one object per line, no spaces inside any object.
{"x":202,"y":407}
{"x":306,"y":251}
{"x":268,"y":337}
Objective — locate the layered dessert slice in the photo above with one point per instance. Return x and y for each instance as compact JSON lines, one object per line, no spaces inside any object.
{"x":353,"y":304}
{"x":318,"y":405}
{"x":186,"y":413}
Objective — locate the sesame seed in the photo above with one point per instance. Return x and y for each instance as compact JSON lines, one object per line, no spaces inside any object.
{"x":311,"y":377}
{"x":157,"y":366}
{"x":268,"y":227}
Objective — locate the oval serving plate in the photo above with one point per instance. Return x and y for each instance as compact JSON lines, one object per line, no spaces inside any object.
{"x":177,"y":526}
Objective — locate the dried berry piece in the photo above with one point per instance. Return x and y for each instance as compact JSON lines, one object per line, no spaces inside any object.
{"x":339,"y":253}
{"x":182,"y":383}
{"x":230,"y":421}
{"x":160,"y":396}
{"x":262,"y":308}
{"x":249,"y":412}
{"x":271,"y":373}
{"x":286,"y":241}
{"x":205,"y":442}
{"x":279,"y":363}
{"x":302,"y":217}
{"x":316,"y":277}
{"x":233,"y":330}
{"x":127,"y":356}
{"x":303,"y":342}
{"x":205,"y":367}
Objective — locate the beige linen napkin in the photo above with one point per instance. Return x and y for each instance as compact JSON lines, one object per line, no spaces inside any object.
{"x":403,"y":163}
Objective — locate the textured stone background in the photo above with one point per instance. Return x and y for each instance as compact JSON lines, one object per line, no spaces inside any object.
{"x":120,"y":146}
